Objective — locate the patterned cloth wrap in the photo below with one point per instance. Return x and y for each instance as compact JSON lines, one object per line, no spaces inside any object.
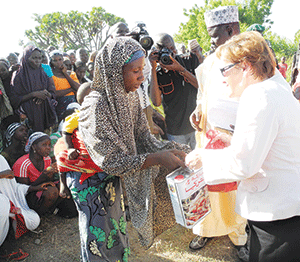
{"x":83,"y":164}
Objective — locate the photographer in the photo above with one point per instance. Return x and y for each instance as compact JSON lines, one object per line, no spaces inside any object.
{"x":173,"y":83}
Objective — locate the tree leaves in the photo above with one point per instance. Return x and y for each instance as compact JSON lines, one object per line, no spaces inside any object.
{"x":73,"y":30}
{"x":250,"y":12}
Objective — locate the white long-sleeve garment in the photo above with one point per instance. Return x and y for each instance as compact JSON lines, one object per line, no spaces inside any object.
{"x":4,"y":217}
{"x":15,"y":192}
{"x":264,"y":153}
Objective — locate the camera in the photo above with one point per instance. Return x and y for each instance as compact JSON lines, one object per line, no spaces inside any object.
{"x":165,"y":56}
{"x":140,"y":34}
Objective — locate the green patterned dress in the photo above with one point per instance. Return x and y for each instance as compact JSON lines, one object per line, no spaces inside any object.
{"x":102,"y":220}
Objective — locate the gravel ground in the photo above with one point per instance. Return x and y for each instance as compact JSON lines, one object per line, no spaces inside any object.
{"x":57,"y":240}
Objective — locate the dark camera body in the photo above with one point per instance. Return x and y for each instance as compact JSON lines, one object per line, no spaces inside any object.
{"x":140,"y":34}
{"x":165,"y":56}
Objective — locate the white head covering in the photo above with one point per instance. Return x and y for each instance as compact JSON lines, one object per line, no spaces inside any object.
{"x":34,"y":136}
{"x":193,"y":44}
{"x":221,"y":15}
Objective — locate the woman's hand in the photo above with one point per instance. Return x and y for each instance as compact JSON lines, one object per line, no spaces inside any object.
{"x":170,"y":159}
{"x":50,"y":171}
{"x":64,"y":69}
{"x":40,"y":96}
{"x":9,"y":174}
{"x":194,"y":159}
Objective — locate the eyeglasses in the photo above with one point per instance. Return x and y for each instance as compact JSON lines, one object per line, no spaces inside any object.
{"x":226,"y":68}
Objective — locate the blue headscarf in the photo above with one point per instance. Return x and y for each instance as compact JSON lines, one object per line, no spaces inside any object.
{"x":135,"y":56}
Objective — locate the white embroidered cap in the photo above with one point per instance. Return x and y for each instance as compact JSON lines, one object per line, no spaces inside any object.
{"x":221,"y":15}
{"x":193,"y":44}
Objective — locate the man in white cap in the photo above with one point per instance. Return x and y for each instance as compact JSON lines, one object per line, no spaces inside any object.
{"x":196,"y":49}
{"x":216,"y":110}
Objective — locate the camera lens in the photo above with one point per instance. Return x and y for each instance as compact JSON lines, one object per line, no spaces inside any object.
{"x":166,"y":59}
{"x":146,"y":42}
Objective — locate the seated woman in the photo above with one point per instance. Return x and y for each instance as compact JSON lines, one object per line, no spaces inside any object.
{"x":15,"y":138}
{"x":32,"y":92}
{"x":264,"y":151}
{"x":35,"y":168}
{"x":14,"y":209}
{"x":66,"y":85}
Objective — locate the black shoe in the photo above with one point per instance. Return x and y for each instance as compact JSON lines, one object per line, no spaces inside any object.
{"x":198,"y":242}
{"x":242,"y":253}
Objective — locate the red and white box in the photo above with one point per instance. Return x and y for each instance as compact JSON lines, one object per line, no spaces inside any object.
{"x":189,"y":196}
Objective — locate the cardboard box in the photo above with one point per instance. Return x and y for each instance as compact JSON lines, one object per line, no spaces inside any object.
{"x":189,"y":196}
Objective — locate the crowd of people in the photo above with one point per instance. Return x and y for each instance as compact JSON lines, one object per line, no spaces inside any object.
{"x":89,"y":136}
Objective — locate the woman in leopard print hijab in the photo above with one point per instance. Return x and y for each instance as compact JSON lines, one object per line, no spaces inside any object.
{"x":116,"y":133}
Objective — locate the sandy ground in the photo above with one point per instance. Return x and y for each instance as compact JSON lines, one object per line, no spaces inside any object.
{"x":57,"y":240}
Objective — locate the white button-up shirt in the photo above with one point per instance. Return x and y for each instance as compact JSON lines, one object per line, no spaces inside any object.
{"x":264,"y":153}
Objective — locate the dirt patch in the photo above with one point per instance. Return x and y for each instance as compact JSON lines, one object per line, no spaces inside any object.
{"x":57,"y":240}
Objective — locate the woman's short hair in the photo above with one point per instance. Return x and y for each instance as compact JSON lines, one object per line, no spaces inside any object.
{"x":250,"y":47}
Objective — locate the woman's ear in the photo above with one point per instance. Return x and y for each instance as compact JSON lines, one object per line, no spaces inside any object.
{"x":33,"y":148}
{"x":245,"y":66}
{"x":229,"y":30}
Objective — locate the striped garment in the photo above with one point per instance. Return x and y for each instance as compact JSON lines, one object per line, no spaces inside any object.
{"x":25,"y":168}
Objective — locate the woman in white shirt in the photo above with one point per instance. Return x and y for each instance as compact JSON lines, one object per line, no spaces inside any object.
{"x":264,"y":154}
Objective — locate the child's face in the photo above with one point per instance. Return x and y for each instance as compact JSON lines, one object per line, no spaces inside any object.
{"x":68,"y":64}
{"x":80,"y":72}
{"x":72,"y":58}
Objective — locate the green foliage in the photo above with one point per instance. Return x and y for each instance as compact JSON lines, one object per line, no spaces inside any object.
{"x":250,"y":12}
{"x":280,"y":45}
{"x":255,"y":12}
{"x":73,"y":30}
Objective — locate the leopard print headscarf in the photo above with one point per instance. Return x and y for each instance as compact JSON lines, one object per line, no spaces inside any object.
{"x":117,"y":136}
